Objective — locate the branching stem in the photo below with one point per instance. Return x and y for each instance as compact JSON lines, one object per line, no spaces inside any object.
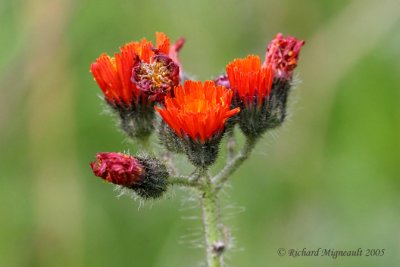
{"x":189,"y":181}
{"x":182,"y":181}
{"x":220,"y":179}
{"x":216,"y":237}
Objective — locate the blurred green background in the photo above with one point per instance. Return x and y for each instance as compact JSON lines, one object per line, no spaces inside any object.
{"x":328,"y":178}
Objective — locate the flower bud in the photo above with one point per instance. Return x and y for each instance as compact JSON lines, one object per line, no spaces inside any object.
{"x":146,"y":176}
{"x":155,"y":181}
{"x":283,"y":55}
{"x":222,"y":80}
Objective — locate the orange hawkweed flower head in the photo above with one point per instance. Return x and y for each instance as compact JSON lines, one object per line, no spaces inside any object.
{"x":249,"y":80}
{"x":113,"y":74}
{"x":283,"y":54}
{"x":137,"y":76}
{"x":198,"y":110}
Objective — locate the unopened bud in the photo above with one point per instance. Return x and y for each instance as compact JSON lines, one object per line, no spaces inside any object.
{"x":283,"y":54}
{"x":222,"y":80}
{"x":146,"y":176}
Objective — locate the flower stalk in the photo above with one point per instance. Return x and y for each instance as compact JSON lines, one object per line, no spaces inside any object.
{"x":209,"y":189}
{"x":182,"y":181}
{"x":215,"y":245}
{"x":231,"y":166}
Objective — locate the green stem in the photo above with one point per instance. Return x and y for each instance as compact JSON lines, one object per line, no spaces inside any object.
{"x":215,"y":244}
{"x":182,"y":181}
{"x":220,"y":179}
{"x":168,"y":159}
{"x":144,"y":142}
{"x":216,"y":236}
{"x":231,"y":145}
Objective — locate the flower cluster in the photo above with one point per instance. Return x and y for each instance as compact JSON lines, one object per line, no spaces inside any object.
{"x":261,"y":90}
{"x":143,"y":78}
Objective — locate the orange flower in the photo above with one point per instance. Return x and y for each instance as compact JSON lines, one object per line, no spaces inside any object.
{"x":113,"y":74}
{"x":198,"y":110}
{"x":249,"y":79}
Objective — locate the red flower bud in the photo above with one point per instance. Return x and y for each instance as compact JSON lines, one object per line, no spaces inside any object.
{"x":146,"y":176}
{"x":283,"y":54}
{"x":117,"y":168}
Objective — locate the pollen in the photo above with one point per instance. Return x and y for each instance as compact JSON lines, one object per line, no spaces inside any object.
{"x":156,"y":78}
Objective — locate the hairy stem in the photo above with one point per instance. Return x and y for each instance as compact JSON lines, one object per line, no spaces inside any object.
{"x":168,"y":159}
{"x":182,"y":181}
{"x":144,"y":143}
{"x":215,"y":244}
{"x":216,"y":235}
{"x":220,"y":179}
{"x":231,"y":145}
